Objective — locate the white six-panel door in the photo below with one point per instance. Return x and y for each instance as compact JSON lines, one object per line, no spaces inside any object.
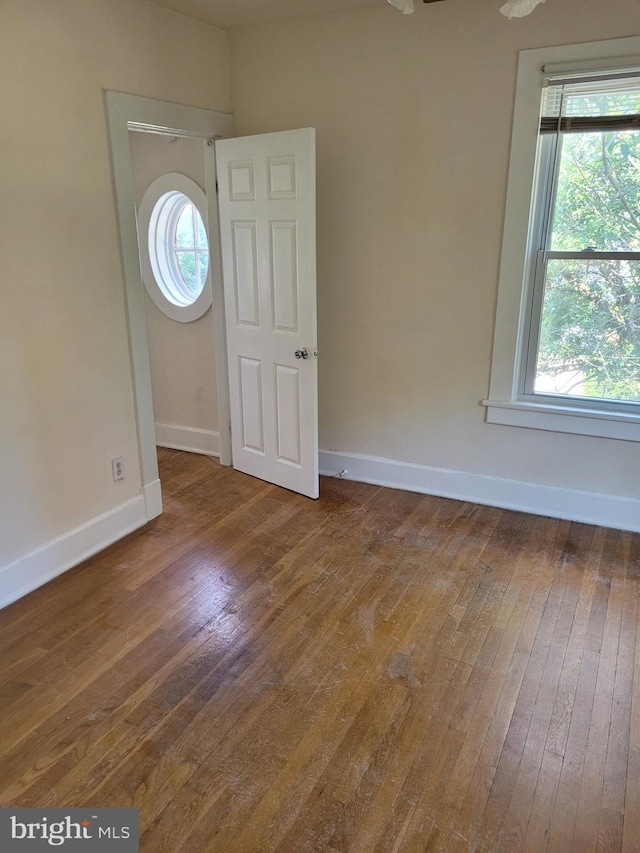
{"x":267,"y":223}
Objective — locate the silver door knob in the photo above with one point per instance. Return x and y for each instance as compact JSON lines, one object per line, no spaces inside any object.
{"x":302,"y":353}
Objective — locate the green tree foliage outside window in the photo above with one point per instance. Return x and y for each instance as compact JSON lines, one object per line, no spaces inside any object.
{"x":192,"y":248}
{"x":591,"y":307}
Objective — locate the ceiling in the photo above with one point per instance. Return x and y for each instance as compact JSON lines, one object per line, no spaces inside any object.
{"x":228,"y":14}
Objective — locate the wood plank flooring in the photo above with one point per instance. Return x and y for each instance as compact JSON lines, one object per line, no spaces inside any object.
{"x":375,"y":671}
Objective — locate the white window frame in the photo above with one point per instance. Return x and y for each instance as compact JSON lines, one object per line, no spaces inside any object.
{"x":507,"y":403}
{"x":160,"y":271}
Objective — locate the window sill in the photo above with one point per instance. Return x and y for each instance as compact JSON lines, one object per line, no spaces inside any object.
{"x":578,"y":421}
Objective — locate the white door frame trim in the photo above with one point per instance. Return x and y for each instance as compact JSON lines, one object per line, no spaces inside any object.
{"x":131,"y":112}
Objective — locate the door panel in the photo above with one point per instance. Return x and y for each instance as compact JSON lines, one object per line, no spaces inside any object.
{"x":267,"y":222}
{"x":251,"y":408}
{"x":245,"y":256}
{"x":288,"y":415}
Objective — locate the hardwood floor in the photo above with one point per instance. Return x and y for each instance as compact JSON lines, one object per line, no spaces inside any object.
{"x":374,"y":671}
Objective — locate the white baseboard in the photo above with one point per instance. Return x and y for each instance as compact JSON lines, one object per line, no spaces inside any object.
{"x":588,"y":507}
{"x":58,"y":555}
{"x":152,"y":494}
{"x":203,"y":441}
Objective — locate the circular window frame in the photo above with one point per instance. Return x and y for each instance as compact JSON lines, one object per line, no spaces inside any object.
{"x":159,"y":265}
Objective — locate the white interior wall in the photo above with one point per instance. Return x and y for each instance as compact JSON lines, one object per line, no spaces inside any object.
{"x":413,"y":117}
{"x":181,"y":355}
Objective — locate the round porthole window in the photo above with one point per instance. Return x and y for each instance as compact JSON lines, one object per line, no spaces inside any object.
{"x":174,"y":247}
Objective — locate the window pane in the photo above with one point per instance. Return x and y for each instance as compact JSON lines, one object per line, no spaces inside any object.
{"x":204,"y":266}
{"x":187,"y":264}
{"x":590,"y":330}
{"x":201,"y":233}
{"x":184,"y":229}
{"x":598,"y":197}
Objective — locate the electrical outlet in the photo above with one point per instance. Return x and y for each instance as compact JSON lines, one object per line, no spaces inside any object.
{"x":117,"y":466}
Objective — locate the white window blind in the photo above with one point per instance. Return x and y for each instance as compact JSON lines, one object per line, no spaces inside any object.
{"x":591,"y":104}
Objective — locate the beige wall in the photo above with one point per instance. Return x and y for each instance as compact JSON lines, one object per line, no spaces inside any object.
{"x":413,"y":118}
{"x":181,"y":355}
{"x":66,"y":405}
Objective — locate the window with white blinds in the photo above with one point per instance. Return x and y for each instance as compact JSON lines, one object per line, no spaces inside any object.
{"x":566,"y":354}
{"x":584,"y":340}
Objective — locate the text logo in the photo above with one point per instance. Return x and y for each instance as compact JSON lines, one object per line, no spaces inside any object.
{"x":108,"y":830}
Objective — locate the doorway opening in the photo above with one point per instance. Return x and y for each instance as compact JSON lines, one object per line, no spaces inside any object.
{"x":175,"y":247}
{"x":128,"y":114}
